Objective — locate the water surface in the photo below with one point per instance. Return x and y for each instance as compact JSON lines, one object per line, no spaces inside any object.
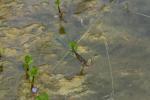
{"x":33,"y":27}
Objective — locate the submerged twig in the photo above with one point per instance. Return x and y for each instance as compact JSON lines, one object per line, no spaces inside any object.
{"x":126,"y":7}
{"x":110,"y":66}
{"x":141,"y":14}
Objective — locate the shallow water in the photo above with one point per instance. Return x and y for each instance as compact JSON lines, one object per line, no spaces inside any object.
{"x":33,"y":27}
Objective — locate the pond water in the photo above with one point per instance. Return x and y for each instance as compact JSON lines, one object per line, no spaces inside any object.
{"x":113,"y":33}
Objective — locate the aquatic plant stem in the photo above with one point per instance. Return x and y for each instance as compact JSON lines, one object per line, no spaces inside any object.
{"x":110,"y":67}
{"x":27,"y":75}
{"x":26,"y":72}
{"x":32,"y":83}
{"x":82,"y":70}
{"x":60,"y":12}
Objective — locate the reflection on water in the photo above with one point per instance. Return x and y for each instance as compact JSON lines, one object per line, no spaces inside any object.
{"x":120,"y":70}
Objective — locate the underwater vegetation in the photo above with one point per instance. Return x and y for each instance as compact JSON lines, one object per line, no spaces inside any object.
{"x":42,"y":96}
{"x":74,"y":46}
{"x":33,"y":72}
{"x":58,"y":5}
{"x":27,"y":64}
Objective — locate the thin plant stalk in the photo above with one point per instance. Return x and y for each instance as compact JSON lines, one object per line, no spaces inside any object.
{"x":1,"y":68}
{"x":32,"y":82}
{"x":58,"y":2}
{"x":27,"y":75}
{"x":60,"y":12}
{"x":33,"y":72}
{"x":84,"y":63}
